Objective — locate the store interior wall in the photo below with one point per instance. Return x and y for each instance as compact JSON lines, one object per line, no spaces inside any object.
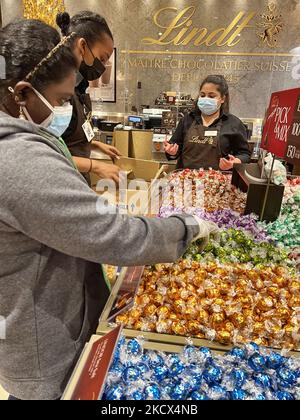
{"x":252,"y":78}
{"x":11,"y":9}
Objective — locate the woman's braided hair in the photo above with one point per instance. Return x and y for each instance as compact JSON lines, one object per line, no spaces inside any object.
{"x":88,"y":25}
{"x":34,"y":51}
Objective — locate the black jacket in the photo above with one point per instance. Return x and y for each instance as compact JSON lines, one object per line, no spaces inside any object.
{"x":74,"y":136}
{"x":233,"y":135}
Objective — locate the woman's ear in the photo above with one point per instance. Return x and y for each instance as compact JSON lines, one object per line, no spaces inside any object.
{"x":20,"y":93}
{"x":79,"y":50}
{"x":81,"y":45}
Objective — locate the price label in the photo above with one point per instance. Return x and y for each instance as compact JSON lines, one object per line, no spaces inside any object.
{"x":293,"y":147}
{"x":281,"y":133}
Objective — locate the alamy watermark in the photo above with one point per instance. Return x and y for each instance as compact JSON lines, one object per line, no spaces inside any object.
{"x":2,"y":328}
{"x":2,"y":68}
{"x":296,"y":68}
{"x":138,"y":197}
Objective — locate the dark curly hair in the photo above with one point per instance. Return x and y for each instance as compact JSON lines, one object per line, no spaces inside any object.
{"x":88,"y":25}
{"x":26,"y":46}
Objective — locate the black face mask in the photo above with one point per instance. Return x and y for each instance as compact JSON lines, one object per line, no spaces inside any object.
{"x":94,"y":71}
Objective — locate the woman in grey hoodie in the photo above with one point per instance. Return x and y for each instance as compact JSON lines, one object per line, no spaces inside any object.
{"x":52,"y":238}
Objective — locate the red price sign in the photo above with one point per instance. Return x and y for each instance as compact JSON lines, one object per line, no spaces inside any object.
{"x":293,"y":147}
{"x":281,"y":134}
{"x":91,"y":383}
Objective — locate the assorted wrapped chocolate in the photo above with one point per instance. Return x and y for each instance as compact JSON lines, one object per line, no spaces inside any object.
{"x":229,"y":303}
{"x":209,"y":190}
{"x":247,"y":373}
{"x":243,"y":288}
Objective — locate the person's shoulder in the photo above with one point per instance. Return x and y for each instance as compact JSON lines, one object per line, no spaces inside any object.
{"x":193,"y":113}
{"x":233,"y":120}
{"x":24,"y":148}
{"x":190,"y":116}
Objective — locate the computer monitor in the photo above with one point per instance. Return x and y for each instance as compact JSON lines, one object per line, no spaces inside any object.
{"x":153,"y":122}
{"x":134,"y":119}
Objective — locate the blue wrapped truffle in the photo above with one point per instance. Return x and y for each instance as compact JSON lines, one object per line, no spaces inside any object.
{"x":131,"y":374}
{"x":213,"y":375}
{"x":238,"y":377}
{"x":179,"y":391}
{"x":135,"y":396}
{"x":287,"y":377}
{"x":115,"y":392}
{"x":152,"y":392}
{"x":275,"y":361}
{"x":198,"y":396}
{"x":219,"y":393}
{"x":134,"y":347}
{"x":284,"y":396}
{"x":238,"y":395}
{"x":160,"y":373}
{"x":264,"y":380}
{"x":257,"y":362}
{"x":238,"y":353}
{"x":177,"y":368}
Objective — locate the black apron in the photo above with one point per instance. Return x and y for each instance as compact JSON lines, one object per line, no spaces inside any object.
{"x":75,"y":137}
{"x":200,"y":150}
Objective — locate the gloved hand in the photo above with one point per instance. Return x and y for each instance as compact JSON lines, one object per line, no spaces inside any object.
{"x":208,"y":230}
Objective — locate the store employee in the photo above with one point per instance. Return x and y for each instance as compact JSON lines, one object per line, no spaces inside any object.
{"x":93,"y":48}
{"x":209,"y":136}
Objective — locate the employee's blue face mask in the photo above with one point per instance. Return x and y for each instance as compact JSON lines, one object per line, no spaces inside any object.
{"x":59,"y":119}
{"x":208,"y":106}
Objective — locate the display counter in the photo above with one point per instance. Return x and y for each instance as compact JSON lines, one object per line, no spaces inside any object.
{"x":220,"y":323}
{"x":116,"y":367}
{"x":245,"y":287}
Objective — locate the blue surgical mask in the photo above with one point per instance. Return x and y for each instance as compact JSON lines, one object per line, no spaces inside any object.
{"x":208,"y":106}
{"x":59,"y":119}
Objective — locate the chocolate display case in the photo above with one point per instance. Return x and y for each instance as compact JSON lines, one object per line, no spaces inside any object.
{"x":107,"y":323}
{"x":240,"y":288}
{"x":114,"y":366}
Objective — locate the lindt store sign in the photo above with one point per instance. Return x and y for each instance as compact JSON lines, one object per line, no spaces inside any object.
{"x":181,"y":27}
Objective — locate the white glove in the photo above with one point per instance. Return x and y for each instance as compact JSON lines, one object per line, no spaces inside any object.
{"x":208,"y":230}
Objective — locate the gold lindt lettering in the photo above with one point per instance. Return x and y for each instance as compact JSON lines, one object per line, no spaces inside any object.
{"x":239,"y":30}
{"x":210,"y":39}
{"x":177,"y":39}
{"x":200,"y":38}
{"x":229,"y":29}
{"x":175,"y":24}
{"x":192,"y":35}
{"x":180,"y":30}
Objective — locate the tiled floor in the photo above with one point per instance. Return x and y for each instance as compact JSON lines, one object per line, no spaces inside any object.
{"x":3,"y":394}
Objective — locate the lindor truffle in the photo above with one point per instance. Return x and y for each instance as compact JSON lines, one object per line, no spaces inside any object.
{"x":247,"y":373}
{"x":229,"y":303}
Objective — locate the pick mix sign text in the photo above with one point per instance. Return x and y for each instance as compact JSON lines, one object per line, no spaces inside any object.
{"x":281,"y":133}
{"x":281,"y":120}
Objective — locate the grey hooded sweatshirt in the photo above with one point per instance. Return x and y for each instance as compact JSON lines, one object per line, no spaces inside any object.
{"x":52,"y":241}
